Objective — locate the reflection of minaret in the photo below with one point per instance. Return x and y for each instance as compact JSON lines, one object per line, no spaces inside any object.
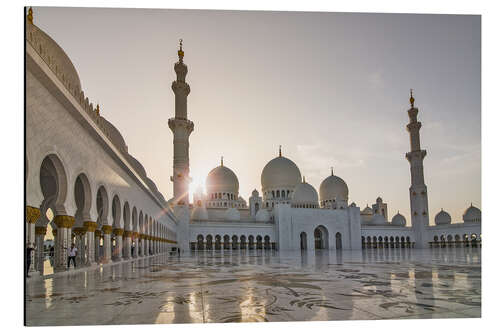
{"x":182,"y":127}
{"x":418,"y":189}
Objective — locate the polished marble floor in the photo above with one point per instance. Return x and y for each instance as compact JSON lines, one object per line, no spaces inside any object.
{"x":264,"y":286}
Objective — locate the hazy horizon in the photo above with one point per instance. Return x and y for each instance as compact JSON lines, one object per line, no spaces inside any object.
{"x":331,"y":88}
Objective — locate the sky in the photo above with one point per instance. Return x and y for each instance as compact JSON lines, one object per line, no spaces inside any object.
{"x":331,"y":88}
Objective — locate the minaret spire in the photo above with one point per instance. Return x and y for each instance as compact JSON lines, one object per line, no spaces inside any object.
{"x":181,"y":127}
{"x":418,"y":189}
{"x":30,"y":15}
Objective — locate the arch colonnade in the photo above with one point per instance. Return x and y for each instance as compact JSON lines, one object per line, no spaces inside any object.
{"x":132,"y":232}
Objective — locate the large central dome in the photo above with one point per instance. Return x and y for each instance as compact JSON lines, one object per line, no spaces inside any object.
{"x":222,"y":179}
{"x":280,"y":172}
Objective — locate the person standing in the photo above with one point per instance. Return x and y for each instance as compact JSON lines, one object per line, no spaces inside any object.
{"x":29,"y":250}
{"x":72,"y":252}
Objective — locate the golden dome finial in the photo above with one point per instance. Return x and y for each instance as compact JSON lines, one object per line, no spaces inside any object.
{"x":97,"y":110}
{"x":303,"y":179}
{"x":412,"y":100}
{"x":180,"y":53}
{"x":30,"y":15}
{"x":280,"y":151}
{"x":222,"y":161}
{"x":331,"y":169}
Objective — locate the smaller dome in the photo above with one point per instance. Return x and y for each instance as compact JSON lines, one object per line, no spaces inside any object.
{"x":378,"y":219}
{"x":353,"y":204}
{"x":472,"y":214}
{"x":379,"y":200}
{"x":398,"y":220}
{"x":255,"y":193}
{"x":232,"y":214}
{"x":367,"y":211}
{"x":442,"y":218}
{"x":222,"y":179}
{"x":333,"y":188}
{"x":305,"y":194}
{"x":262,"y":215}
{"x":199,"y":213}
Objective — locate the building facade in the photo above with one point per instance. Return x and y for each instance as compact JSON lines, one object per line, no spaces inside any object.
{"x":81,"y":180}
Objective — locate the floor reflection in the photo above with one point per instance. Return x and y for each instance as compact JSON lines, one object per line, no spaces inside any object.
{"x":258,"y":285}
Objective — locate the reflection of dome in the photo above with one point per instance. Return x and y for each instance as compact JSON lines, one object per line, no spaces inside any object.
{"x":333,"y":188}
{"x":378,"y":219}
{"x":442,"y":218}
{"x":199,"y":213}
{"x":472,"y":214}
{"x":232,"y":214}
{"x":305,"y":194}
{"x":255,"y":193}
{"x":262,"y":215}
{"x":399,"y":220}
{"x":53,"y":55}
{"x":280,"y":172}
{"x":222,"y":179}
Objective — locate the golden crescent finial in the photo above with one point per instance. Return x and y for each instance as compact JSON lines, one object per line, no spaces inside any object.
{"x":412,"y":100}
{"x":180,"y":53}
{"x":30,"y":15}
{"x":280,"y":150}
{"x":97,"y":110}
{"x":222,"y":161}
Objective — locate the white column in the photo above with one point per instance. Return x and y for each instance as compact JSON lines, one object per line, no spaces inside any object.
{"x":117,"y":253}
{"x":90,"y":228}
{"x":62,"y":241}
{"x":127,"y":244}
{"x":39,"y":255}
{"x":106,"y":230}
{"x":32,"y":215}
{"x":97,"y":246}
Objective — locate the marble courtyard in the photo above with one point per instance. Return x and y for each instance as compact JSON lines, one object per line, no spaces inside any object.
{"x":264,"y":286}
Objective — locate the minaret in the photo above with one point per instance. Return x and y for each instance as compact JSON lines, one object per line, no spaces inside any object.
{"x":182,"y":127}
{"x":418,"y":189}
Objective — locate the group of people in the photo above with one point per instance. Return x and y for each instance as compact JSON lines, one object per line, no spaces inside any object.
{"x":72,"y":253}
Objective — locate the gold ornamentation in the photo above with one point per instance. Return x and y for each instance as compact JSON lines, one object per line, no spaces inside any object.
{"x":90,"y":226}
{"x":97,"y":233}
{"x":118,"y":231}
{"x":40,"y":230}
{"x":32,"y":214}
{"x":54,"y":232}
{"x":80,"y":231}
{"x":412,"y":100}
{"x":180,"y":53}
{"x":30,"y":15}
{"x":107,"y":229}
{"x":64,"y":221}
{"x":97,"y":110}
{"x":128,"y":233}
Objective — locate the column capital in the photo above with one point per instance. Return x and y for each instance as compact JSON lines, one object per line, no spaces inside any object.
{"x":64,"y":221}
{"x":32,"y":214}
{"x":97,"y":233}
{"x":90,"y":226}
{"x":127,"y":233}
{"x":40,"y":230}
{"x":107,"y":229}
{"x":118,"y":231}
{"x":79,"y":231}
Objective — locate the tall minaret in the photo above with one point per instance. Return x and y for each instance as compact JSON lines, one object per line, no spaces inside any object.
{"x":418,"y":189}
{"x":182,"y":128}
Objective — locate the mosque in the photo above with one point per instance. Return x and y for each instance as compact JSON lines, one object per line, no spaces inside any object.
{"x":81,"y":180}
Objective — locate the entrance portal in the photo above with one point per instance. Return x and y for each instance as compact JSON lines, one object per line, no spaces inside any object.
{"x":321,"y":238}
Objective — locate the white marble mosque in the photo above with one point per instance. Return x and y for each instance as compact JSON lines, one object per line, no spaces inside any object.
{"x":100,"y":195}
{"x":81,"y":180}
